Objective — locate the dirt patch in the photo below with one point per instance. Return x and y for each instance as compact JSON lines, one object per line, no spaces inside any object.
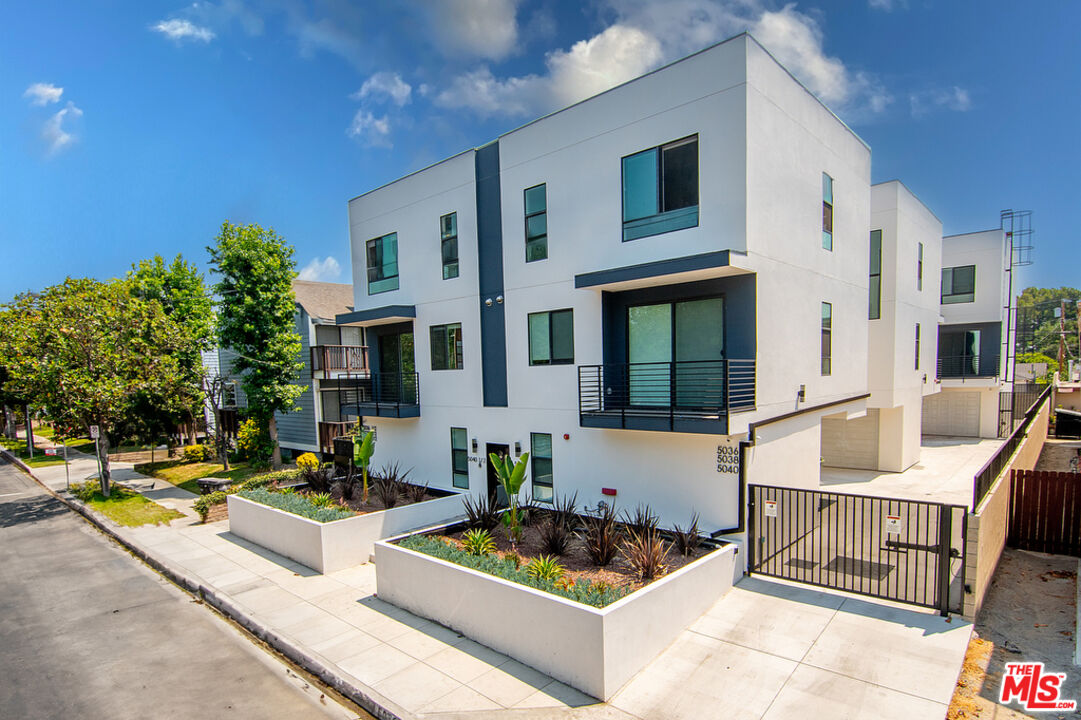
{"x":1056,"y":455}
{"x":1029,"y":615}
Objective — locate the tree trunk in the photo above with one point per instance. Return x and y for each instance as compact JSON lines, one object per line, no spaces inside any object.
{"x":220,"y":441}
{"x":276,"y":458}
{"x":103,"y":456}
{"x":9,"y":423}
{"x":29,"y":432}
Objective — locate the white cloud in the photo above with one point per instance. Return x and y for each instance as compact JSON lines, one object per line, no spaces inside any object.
{"x":179,"y":30}
{"x":478,"y":28}
{"x":385,"y":84}
{"x":41,"y":94}
{"x":53,"y":132}
{"x":924,"y":101}
{"x":369,"y":129}
{"x":321,"y":270}
{"x":887,"y":5}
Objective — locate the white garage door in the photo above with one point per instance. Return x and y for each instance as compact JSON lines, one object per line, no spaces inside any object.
{"x":851,"y":443}
{"x":952,"y":413}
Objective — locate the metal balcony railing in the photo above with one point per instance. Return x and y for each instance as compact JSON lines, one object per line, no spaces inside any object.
{"x":676,"y":392}
{"x":381,"y":395}
{"x":339,"y":358}
{"x":962,"y":366}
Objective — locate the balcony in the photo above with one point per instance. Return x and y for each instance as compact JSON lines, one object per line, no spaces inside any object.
{"x":689,"y":397}
{"x":967,"y":366}
{"x":394,"y":395}
{"x":331,"y":360}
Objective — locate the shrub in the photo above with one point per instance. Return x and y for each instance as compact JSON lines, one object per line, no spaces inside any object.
{"x":646,"y":554}
{"x":318,"y":478}
{"x":307,"y":461}
{"x":253,"y":443}
{"x":478,"y":542}
{"x":196,"y":453}
{"x":296,"y":504}
{"x":601,"y":536}
{"x":416,"y":493}
{"x":85,"y":491}
{"x":554,"y":536}
{"x":596,"y":594}
{"x":270,"y":478}
{"x":322,"y":500}
{"x":481,"y":512}
{"x":544,"y":567}
{"x":204,"y":502}
{"x":642,"y":522}
{"x":687,"y":539}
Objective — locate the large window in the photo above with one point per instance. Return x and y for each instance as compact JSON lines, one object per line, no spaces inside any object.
{"x":917,"y":346}
{"x":958,"y":284}
{"x":383,"y":264}
{"x":459,"y":458}
{"x":874,"y":306}
{"x":446,"y":346}
{"x":660,"y":189}
{"x":540,"y":456}
{"x":551,"y":338}
{"x":827,"y":338}
{"x":919,"y":267}
{"x":448,"y":242}
{"x":536,"y":223}
{"x":827,"y":211}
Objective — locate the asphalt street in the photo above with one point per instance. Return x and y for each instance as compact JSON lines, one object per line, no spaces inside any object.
{"x":87,"y":631}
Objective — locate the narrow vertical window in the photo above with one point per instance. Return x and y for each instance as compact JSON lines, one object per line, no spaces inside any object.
{"x":551,"y":338}
{"x":459,"y":458}
{"x":919,"y":267}
{"x":536,"y":223}
{"x":446,"y":341}
{"x":874,"y":304}
{"x":827,"y":338}
{"x":540,"y":456}
{"x":917,"y":346}
{"x":448,"y":242}
{"x":827,"y":211}
{"x":383,"y":264}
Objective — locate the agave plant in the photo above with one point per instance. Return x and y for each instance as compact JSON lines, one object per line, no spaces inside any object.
{"x":545,"y":567}
{"x":321,"y":500}
{"x":478,"y":542}
{"x":511,"y":476}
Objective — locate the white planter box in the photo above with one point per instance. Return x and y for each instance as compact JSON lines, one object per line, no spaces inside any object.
{"x":596,"y":650}
{"x":337,"y":545}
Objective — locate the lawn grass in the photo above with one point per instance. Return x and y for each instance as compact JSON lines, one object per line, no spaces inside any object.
{"x":131,"y":509}
{"x":185,"y":474}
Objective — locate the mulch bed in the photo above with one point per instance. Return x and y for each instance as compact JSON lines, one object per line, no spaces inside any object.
{"x":576,"y":561}
{"x":374,"y":504}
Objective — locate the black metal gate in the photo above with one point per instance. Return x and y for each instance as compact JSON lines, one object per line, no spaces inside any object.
{"x":909,"y":551}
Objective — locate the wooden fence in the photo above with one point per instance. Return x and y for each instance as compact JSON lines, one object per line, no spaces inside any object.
{"x":1045,"y":512}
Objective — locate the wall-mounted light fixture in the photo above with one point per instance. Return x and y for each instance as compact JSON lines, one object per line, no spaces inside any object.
{"x":517,"y":448}
{"x":499,"y":299}
{"x":474,"y":444}
{"x":802,"y":394}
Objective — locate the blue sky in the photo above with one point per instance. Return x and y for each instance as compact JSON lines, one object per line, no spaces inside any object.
{"x":129,"y":129}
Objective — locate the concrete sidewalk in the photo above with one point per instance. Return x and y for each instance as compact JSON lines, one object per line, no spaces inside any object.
{"x":767,"y":650}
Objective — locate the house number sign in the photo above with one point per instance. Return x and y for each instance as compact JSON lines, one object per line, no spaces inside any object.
{"x":728,"y":459}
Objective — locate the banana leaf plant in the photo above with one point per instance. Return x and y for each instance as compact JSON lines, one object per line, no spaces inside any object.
{"x":362,"y":456}
{"x":511,"y":476}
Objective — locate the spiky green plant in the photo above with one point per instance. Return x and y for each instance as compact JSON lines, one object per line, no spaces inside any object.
{"x":478,"y":542}
{"x":545,"y":567}
{"x":321,"y":500}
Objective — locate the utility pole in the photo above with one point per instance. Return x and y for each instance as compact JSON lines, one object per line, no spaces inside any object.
{"x":1061,"y":334}
{"x":29,"y":431}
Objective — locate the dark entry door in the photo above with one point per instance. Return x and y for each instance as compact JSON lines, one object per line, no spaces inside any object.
{"x":494,"y":488}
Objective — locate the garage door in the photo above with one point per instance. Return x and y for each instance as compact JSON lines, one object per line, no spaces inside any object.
{"x":851,"y":443}
{"x":952,"y":413}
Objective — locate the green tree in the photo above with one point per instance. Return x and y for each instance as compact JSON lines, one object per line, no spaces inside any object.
{"x":255,"y":318}
{"x":85,"y":351}
{"x":1036,"y":319}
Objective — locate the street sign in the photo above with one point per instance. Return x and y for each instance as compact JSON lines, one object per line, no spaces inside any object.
{"x":94,"y":432}
{"x":50,"y":451}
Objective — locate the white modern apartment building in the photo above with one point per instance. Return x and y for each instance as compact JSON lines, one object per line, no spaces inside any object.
{"x":902,"y":310}
{"x":658,"y":292}
{"x":973,"y":336}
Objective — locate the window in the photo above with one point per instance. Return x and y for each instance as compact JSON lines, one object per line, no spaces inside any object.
{"x":827,"y":338}
{"x":383,"y":264}
{"x":459,"y":458}
{"x":447,"y":347}
{"x":551,"y":338}
{"x":229,"y":394}
{"x":958,"y":284}
{"x":874,"y":306}
{"x":448,"y":241}
{"x":917,"y":346}
{"x":919,"y":267}
{"x":660,"y":189}
{"x":536,"y":223}
{"x":540,"y":456}
{"x":827,"y":211}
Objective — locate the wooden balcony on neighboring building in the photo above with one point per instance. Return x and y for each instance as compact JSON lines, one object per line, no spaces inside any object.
{"x":329,"y":360}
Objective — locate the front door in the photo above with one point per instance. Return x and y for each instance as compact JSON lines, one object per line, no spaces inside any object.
{"x":494,"y":488}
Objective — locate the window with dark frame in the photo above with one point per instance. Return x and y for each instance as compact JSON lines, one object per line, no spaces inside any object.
{"x":551,"y":338}
{"x":919,"y":268}
{"x":874,"y":305}
{"x":448,"y":243}
{"x":446,"y":346}
{"x":827,"y":212}
{"x":958,"y":284}
{"x":459,"y":458}
{"x":827,"y":338}
{"x":917,"y":346}
{"x":660,"y":189}
{"x":536,"y":223}
{"x":540,"y":457}
{"x":382,"y":264}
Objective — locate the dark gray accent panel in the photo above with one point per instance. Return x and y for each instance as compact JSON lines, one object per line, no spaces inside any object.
{"x":297,"y":429}
{"x":705,"y":261}
{"x":493,"y":326}
{"x":379,"y":313}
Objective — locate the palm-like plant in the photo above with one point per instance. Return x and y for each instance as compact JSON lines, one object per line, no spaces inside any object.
{"x":511,"y":476}
{"x":362,"y":455}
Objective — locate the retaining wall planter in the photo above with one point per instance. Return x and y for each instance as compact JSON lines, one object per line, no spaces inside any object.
{"x":596,"y":650}
{"x":337,"y":545}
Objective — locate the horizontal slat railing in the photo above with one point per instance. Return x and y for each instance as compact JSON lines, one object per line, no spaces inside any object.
{"x":960,"y":366}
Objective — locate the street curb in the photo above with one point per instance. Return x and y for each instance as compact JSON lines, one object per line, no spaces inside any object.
{"x":222,"y":604}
